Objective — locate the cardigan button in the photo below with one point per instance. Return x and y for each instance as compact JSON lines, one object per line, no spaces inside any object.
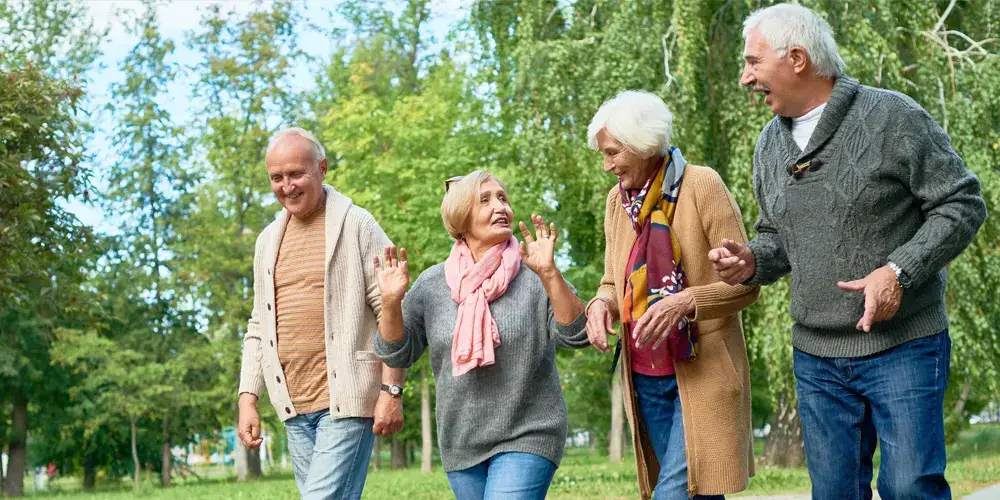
{"x":288,"y":410}
{"x":269,"y":307}
{"x":337,"y":408}
{"x":278,"y":379}
{"x":272,"y":343}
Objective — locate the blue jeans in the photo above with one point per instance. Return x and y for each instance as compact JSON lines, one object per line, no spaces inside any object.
{"x":329,"y":455}
{"x":510,"y":475}
{"x":660,"y":409}
{"x":894,"y":398}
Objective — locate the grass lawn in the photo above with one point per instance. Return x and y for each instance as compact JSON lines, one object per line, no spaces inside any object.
{"x":973,"y":463}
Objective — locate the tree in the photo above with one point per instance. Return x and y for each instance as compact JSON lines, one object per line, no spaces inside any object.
{"x":244,"y":85}
{"x":145,"y":185}
{"x":41,"y":245}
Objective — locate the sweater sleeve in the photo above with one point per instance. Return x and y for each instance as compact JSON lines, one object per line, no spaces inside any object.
{"x":572,"y":334}
{"x":372,"y":241}
{"x":251,"y":371}
{"x":949,"y":197}
{"x":720,"y":218}
{"x":770,"y":259}
{"x":606,"y":290}
{"x":403,"y":353}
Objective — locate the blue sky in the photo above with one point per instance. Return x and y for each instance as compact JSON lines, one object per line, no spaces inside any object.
{"x":176,"y":19}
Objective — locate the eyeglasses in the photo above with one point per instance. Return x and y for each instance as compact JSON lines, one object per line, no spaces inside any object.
{"x":449,"y":182}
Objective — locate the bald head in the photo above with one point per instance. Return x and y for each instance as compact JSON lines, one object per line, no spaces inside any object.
{"x":296,"y":167}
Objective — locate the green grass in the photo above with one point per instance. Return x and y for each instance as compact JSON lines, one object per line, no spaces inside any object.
{"x":973,"y":463}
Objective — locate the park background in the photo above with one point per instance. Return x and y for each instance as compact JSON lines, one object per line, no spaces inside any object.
{"x":132,"y":189}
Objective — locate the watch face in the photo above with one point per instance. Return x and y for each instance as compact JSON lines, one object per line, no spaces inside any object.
{"x":395,"y":390}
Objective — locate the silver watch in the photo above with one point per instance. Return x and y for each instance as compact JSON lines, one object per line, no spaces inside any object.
{"x":899,"y":272}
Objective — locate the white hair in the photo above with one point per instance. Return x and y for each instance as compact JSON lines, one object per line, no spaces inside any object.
{"x":639,"y":120}
{"x":788,"y":25}
{"x":318,"y":152}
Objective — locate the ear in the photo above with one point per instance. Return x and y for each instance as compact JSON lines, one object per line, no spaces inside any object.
{"x":322,"y":167}
{"x":799,"y":59}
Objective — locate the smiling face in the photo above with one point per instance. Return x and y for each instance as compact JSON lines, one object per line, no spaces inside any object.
{"x":775,"y":77}
{"x":631,"y":169}
{"x":296,"y":179}
{"x":491,"y":216}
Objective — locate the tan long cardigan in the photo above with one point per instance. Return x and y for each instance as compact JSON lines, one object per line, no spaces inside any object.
{"x":715,"y":387}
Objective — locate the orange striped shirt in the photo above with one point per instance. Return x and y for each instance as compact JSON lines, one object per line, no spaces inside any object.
{"x":298,"y":289}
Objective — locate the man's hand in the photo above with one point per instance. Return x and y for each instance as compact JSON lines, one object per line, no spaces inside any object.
{"x":883,"y":294}
{"x":388,"y":415}
{"x":734,"y":262}
{"x":661,"y":318}
{"x":599,"y":325}
{"x":249,"y":421}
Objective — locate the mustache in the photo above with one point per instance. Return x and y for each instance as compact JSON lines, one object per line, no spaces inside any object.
{"x":760,"y":88}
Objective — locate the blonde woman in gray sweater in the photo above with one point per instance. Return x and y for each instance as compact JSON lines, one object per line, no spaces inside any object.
{"x":491,"y":316}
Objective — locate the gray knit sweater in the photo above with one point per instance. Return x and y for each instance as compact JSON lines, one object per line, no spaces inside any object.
{"x":889,"y":187}
{"x":514,"y":405}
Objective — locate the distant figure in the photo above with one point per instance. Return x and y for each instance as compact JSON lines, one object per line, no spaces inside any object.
{"x":864,"y":201}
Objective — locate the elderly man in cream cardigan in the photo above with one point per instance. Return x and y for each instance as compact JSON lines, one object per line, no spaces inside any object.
{"x":316,"y":309}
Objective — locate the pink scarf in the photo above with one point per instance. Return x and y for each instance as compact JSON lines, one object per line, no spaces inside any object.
{"x":473,"y":286}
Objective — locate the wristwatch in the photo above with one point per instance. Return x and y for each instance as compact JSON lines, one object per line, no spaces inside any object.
{"x":900,"y":277}
{"x":393,"y":390}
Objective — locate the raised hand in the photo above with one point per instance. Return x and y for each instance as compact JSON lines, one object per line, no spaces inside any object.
{"x":538,"y":253}
{"x":393,"y":275}
{"x":734,"y":262}
{"x":883,"y":294}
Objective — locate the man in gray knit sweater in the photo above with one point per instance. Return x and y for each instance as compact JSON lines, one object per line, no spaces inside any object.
{"x":864,"y":201}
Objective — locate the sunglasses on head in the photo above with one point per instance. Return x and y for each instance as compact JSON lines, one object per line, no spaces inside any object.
{"x":449,"y":182}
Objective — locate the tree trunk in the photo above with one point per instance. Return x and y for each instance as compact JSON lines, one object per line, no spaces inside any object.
{"x":397,"y":454}
{"x":89,"y":471}
{"x":17,"y":447}
{"x":239,"y":452}
{"x":616,"y":434}
{"x":135,"y":451}
{"x":784,"y":446}
{"x":165,"y":455}
{"x":962,"y":398}
{"x":253,"y":462}
{"x":377,"y":453}
{"x":427,"y":443}
{"x":3,"y":451}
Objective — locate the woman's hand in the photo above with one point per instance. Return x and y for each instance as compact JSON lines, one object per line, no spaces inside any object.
{"x":661,"y":318}
{"x":394,"y":275}
{"x":538,"y":253}
{"x":599,"y":325}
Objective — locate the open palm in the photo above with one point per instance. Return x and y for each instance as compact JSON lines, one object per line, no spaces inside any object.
{"x":393,"y":274}
{"x":538,"y":252}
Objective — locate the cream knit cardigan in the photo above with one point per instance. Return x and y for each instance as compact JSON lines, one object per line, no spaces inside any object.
{"x":352,"y":307}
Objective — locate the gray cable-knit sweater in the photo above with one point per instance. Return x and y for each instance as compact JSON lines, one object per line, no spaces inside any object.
{"x":889,"y":187}
{"x":515,"y":404}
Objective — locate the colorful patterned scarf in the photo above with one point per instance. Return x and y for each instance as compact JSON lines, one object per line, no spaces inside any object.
{"x":657,"y":271}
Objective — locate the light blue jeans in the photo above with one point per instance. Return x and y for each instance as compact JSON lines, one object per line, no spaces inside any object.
{"x":507,"y":476}
{"x":329,"y":455}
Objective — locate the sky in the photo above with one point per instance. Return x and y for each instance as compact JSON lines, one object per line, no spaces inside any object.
{"x":176,"y":19}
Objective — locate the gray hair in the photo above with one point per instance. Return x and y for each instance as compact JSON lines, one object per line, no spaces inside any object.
{"x":318,"y":152}
{"x":788,"y":25}
{"x":639,"y":120}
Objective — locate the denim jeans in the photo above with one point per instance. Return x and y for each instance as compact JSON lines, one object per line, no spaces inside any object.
{"x":660,"y":409}
{"x":329,"y":455}
{"x":511,"y":475}
{"x":894,"y":398}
